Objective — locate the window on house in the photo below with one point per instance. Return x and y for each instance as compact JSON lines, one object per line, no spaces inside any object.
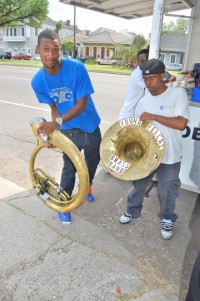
{"x":162,"y":57}
{"x":173,"y":58}
{"x":95,"y":52}
{"x":36,"y":32}
{"x":87,"y":50}
{"x":28,"y":51}
{"x":15,"y":31}
{"x":27,"y":32}
{"x":23,"y":32}
{"x":11,"y":33}
{"x":108,"y":52}
{"x":102,"y":52}
{"x":111,"y":52}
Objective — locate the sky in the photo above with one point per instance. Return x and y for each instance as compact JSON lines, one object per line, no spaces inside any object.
{"x":91,"y":20}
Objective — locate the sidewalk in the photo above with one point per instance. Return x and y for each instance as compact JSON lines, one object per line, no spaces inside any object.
{"x":43,"y":259}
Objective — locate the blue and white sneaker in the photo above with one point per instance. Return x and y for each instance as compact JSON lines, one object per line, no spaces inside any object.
{"x":125,"y":218}
{"x":90,"y":197}
{"x":166,"y":227}
{"x":65,"y":217}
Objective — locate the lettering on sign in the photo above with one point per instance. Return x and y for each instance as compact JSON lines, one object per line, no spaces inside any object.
{"x":187,"y":132}
{"x":117,"y":165}
{"x":150,"y":127}
{"x":157,"y":134}
{"x":130,"y":121}
{"x":195,"y":133}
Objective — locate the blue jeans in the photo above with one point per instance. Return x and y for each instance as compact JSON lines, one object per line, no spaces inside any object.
{"x":89,"y":142}
{"x":168,"y":186}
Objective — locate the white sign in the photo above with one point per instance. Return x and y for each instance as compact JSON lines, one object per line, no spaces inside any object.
{"x":190,"y":166}
{"x":117,"y":165}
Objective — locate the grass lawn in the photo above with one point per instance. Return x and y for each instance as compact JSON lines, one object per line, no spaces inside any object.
{"x":176,"y":73}
{"x":89,"y":67}
{"x":28,"y":63}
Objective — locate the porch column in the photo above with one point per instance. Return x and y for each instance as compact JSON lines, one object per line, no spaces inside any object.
{"x":158,"y":14}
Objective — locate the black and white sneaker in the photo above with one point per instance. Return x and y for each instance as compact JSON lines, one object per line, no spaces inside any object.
{"x":125,"y":218}
{"x":166,"y":228}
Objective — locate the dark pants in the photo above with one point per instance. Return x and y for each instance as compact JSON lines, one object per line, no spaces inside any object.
{"x":168,"y":185}
{"x":89,"y":142}
{"x":194,"y":286}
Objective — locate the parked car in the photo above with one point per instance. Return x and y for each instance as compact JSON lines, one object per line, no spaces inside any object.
{"x":65,"y":56}
{"x":106,"y":61}
{"x":5,"y":55}
{"x":22,"y":56}
{"x":85,"y":58}
{"x":37,"y":58}
{"x":174,"y":66}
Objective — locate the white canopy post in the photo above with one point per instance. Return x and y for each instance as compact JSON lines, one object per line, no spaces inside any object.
{"x":158,"y":14}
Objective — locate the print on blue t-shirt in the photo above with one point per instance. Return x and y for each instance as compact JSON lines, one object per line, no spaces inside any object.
{"x":72,"y":82}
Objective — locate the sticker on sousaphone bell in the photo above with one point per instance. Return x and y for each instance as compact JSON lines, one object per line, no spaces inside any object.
{"x":132,"y":149}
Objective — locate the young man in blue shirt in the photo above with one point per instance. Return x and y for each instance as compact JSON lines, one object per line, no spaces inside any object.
{"x":64,"y":85}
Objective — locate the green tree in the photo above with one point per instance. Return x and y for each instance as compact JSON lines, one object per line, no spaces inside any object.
{"x":125,"y":54}
{"x":59,"y":26}
{"x":168,"y":27}
{"x":181,"y":26}
{"x":139,"y":42}
{"x":133,"y":53}
{"x":128,"y":54}
{"x":68,"y":46}
{"x":17,"y":12}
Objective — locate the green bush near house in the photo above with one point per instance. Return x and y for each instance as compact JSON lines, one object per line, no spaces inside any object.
{"x":90,"y":62}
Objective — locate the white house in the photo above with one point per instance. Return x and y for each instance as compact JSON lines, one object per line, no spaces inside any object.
{"x":24,"y":38}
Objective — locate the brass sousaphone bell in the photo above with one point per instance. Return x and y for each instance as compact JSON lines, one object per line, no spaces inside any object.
{"x":45,"y":186}
{"x":131,"y":149}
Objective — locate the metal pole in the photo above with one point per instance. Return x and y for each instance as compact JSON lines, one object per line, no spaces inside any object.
{"x":159,"y":7}
{"x":190,"y":66}
{"x":75,"y":32}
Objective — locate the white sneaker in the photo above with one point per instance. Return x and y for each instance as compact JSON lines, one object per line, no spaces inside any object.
{"x":125,"y":218}
{"x":166,"y":228}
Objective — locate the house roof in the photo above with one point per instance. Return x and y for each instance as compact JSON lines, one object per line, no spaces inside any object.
{"x":129,"y":9}
{"x":50,"y":21}
{"x":102,"y":29}
{"x":79,"y":38}
{"x":70,"y":27}
{"x":110,"y":37}
{"x":173,"y":42}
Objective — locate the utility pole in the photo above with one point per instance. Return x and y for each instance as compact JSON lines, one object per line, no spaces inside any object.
{"x":75,"y":52}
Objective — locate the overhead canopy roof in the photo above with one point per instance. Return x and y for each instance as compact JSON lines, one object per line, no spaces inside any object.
{"x":129,"y":9}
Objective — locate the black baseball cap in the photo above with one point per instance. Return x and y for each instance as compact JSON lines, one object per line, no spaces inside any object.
{"x":153,"y":66}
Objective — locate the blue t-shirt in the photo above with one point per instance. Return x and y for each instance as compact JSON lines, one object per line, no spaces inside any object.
{"x":63,"y":89}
